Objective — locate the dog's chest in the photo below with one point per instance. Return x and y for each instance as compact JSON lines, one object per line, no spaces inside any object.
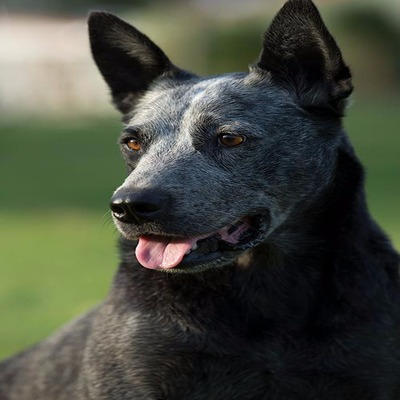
{"x":161,"y":371}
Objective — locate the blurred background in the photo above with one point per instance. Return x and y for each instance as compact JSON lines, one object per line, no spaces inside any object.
{"x":59,"y":162}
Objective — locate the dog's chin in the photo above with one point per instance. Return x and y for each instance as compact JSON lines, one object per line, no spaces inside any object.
{"x":214,"y":250}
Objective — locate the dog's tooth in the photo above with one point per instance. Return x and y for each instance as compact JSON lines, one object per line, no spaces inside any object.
{"x":194,"y":247}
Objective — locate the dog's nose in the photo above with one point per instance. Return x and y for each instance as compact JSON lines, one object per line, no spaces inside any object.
{"x":138,"y":206}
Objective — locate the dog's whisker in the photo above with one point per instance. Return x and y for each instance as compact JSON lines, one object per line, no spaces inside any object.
{"x":106,"y":214}
{"x":107,"y":224}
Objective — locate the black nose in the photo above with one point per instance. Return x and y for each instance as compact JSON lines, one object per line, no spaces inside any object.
{"x":138,"y":206}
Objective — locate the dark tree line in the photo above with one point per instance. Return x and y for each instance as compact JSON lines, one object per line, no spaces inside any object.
{"x":69,"y":6}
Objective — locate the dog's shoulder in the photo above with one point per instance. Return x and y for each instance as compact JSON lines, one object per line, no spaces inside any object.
{"x":57,"y":359}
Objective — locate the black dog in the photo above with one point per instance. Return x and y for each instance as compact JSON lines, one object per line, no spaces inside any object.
{"x":251,"y":268}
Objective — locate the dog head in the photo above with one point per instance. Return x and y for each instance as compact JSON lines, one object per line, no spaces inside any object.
{"x":216,"y":164}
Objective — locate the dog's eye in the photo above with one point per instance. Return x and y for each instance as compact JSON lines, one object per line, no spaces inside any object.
{"x":133,"y":145}
{"x":229,"y":140}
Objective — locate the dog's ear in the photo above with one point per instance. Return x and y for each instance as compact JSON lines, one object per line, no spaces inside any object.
{"x":128,"y":60}
{"x":300,"y":54}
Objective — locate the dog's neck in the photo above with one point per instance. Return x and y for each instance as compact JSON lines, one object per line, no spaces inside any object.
{"x":294,"y":273}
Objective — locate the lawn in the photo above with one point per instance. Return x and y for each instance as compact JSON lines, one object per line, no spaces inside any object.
{"x":57,"y":243}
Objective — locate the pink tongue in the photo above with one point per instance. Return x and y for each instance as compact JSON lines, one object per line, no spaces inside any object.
{"x":155,"y":252}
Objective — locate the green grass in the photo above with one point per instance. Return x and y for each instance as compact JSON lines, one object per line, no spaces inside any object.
{"x":57,"y":245}
{"x":53,"y":266}
{"x":374,"y":131}
{"x":47,"y":164}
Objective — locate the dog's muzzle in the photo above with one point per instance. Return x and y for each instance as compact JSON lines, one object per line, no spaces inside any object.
{"x":161,"y":250}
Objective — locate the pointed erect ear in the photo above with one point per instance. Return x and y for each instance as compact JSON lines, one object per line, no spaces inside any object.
{"x":128,"y":60}
{"x":301,"y":55}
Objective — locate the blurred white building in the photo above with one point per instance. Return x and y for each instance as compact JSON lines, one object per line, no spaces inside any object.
{"x":45,"y":62}
{"x":45,"y":67}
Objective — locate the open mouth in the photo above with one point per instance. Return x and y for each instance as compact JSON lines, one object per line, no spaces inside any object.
{"x":184,"y":254}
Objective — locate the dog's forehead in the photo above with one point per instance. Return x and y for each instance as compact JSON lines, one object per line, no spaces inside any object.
{"x":176,"y":104}
{"x":215,"y":89}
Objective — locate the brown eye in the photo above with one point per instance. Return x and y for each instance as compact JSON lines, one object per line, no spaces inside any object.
{"x":133,"y":144}
{"x":229,"y":140}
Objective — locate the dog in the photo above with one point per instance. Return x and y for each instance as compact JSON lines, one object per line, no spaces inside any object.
{"x":250,"y":266}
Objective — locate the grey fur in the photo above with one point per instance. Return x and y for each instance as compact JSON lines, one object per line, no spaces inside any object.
{"x":177,"y":161}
